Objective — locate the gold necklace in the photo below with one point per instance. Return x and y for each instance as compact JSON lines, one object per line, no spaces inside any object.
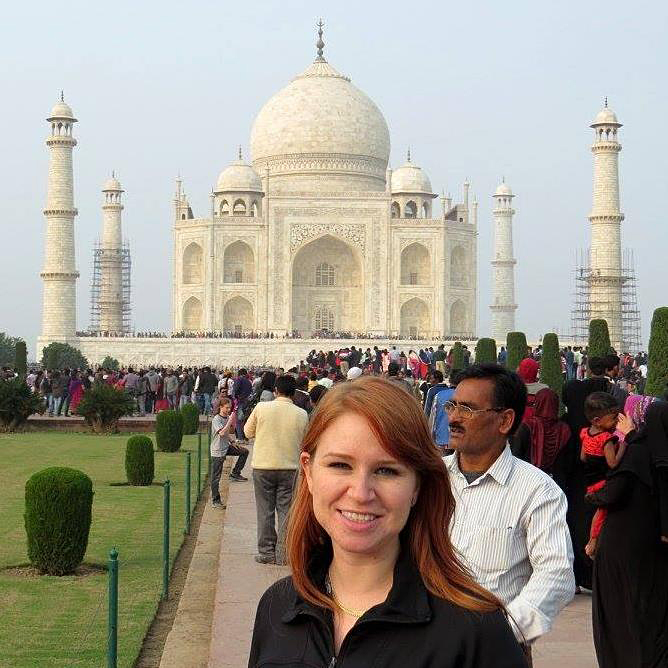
{"x":349,"y":611}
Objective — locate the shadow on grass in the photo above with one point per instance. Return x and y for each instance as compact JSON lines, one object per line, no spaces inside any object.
{"x":28,"y":571}
{"x":127,"y":484}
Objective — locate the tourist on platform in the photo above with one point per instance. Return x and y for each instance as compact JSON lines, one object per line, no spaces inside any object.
{"x":241,"y":393}
{"x":510,"y":517}
{"x":413,"y":363}
{"x":75,"y":391}
{"x":394,"y":377}
{"x":153,"y":382}
{"x":205,"y":384}
{"x":267,"y":385}
{"x":171,"y":388}
{"x":570,"y":469}
{"x":528,"y":371}
{"x":439,"y":359}
{"x":45,"y":390}
{"x":65,"y":405}
{"x":142,"y":393}
{"x":375,"y":579}
{"x":222,"y":433}
{"x":57,"y":391}
{"x":278,"y":428}
{"x":186,"y":387}
{"x":540,"y":438}
{"x":630,"y":585}
{"x":502,"y":356}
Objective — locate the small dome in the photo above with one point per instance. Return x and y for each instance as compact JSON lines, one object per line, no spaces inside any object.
{"x":503,"y":190}
{"x":238,"y":177}
{"x":411,"y":179}
{"x":606,"y":117}
{"x":61,"y":110}
{"x":112,"y":184}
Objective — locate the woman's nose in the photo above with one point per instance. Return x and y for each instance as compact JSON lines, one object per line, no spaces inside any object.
{"x":361,"y":488}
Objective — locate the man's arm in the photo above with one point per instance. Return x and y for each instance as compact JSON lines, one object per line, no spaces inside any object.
{"x":551,"y":585}
{"x":251,"y":423}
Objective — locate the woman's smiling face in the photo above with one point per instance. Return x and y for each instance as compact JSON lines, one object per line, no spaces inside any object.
{"x":362,"y":496}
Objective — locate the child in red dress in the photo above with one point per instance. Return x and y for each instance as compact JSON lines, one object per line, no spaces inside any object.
{"x":601,"y":450}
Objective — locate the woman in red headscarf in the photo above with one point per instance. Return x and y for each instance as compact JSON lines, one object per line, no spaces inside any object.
{"x":541,"y":436}
{"x":528,"y":372}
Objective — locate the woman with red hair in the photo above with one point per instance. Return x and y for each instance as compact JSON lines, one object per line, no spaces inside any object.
{"x":375,"y":579}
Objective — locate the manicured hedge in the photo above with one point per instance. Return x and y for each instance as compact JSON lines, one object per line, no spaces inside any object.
{"x":190,"y":414}
{"x":168,"y":430}
{"x":517,"y":349}
{"x":657,"y":364}
{"x":599,"y":339}
{"x":550,"y":364}
{"x":139,"y":460}
{"x":485,"y":351}
{"x":58,"y":511}
{"x":457,"y":357}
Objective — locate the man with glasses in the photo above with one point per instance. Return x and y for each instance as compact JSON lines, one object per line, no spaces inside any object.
{"x":510,"y":517}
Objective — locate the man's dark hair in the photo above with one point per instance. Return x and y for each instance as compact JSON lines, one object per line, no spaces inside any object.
{"x":598,"y":404}
{"x":437,"y":376}
{"x":597,"y":365}
{"x":286,"y":385}
{"x":242,"y":372}
{"x":268,"y":381}
{"x":392,"y":369}
{"x":302,"y":382}
{"x":509,"y":389}
{"x":611,"y":361}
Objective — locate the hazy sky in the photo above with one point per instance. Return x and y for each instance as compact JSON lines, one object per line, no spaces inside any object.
{"x":477,"y":90}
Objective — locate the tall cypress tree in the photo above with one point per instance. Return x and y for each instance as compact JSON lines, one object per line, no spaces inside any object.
{"x":550,"y":364}
{"x":517,"y":349}
{"x":457,"y":356}
{"x":21,"y":358}
{"x":657,"y":365}
{"x":599,"y":339}
{"x":485,"y":351}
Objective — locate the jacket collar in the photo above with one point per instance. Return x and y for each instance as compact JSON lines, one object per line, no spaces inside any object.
{"x":407,"y":602}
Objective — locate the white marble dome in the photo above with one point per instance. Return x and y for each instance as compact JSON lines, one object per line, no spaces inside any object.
{"x":410,"y":179}
{"x":321,"y":123}
{"x":61,"y":110}
{"x":238,"y":177}
{"x":503,"y":190}
{"x":606,"y":117}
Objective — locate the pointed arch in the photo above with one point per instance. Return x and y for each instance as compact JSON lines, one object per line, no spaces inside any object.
{"x":415,"y":265}
{"x":238,"y":315}
{"x":239,"y":208}
{"x":459,"y":269}
{"x":192,"y":264}
{"x":395,"y":211}
{"x":414,"y":318}
{"x":239,"y":263}
{"x":410,"y":209}
{"x":192,"y":315}
{"x":458,"y":320}
{"x":224,"y":208}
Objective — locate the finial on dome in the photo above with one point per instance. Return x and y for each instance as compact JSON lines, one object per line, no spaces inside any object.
{"x":113,"y":174}
{"x":606,"y":102}
{"x":320,"y":45}
{"x":240,"y":156}
{"x":62,"y":96}
{"x":408,"y":154}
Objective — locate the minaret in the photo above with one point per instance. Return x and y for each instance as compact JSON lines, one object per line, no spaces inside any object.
{"x":503,"y":265}
{"x":59,"y":274}
{"x":111,"y":261}
{"x":605,"y":282}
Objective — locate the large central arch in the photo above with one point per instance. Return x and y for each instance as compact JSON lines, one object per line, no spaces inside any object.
{"x":327,"y":276}
{"x":414,"y":318}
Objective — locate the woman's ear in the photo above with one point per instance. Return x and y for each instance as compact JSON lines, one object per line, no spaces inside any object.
{"x":305,"y":465}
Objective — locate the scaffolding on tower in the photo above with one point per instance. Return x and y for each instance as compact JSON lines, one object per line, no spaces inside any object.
{"x":582,"y":304}
{"x":96,"y":293}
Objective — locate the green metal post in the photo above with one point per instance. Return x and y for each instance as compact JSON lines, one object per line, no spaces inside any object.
{"x":208,"y":446}
{"x":112,"y":639}
{"x":165,"y":540}
{"x":199,"y":465}
{"x":187,"y":493}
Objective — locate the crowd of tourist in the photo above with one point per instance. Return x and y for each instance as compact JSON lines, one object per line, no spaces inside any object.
{"x":580,"y":499}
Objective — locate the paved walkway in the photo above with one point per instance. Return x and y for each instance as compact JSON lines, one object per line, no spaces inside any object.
{"x":241,"y":582}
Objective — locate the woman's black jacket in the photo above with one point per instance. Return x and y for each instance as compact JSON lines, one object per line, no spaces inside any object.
{"x":411,"y":629}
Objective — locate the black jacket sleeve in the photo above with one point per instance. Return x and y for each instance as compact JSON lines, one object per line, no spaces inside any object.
{"x":613,"y":493}
{"x":520,"y":443}
{"x":495,"y":645}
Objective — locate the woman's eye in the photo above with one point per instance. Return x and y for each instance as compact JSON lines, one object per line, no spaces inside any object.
{"x":386,"y":470}
{"x":339,"y":465}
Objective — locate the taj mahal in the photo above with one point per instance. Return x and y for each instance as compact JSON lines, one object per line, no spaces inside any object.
{"x":314,"y":233}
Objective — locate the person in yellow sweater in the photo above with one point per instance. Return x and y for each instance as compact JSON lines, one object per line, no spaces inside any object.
{"x":278,"y":428}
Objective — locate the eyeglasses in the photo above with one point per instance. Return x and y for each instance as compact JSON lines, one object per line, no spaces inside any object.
{"x":466,"y":412}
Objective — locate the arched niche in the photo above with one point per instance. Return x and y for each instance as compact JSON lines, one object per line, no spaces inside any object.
{"x":458,"y":320}
{"x":459,"y":269}
{"x":415,"y":265}
{"x":395,"y":210}
{"x":410,"y":209}
{"x":192,"y":269}
{"x":238,"y":315}
{"x":224,"y":208}
{"x":414,"y":318}
{"x":327,"y":273}
{"x":239,"y":208}
{"x":239,"y":263}
{"x":192,"y":315}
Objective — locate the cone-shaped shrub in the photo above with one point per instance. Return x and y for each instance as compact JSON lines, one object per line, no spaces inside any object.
{"x":168,"y":430}
{"x":550,"y":364}
{"x":190,"y":414}
{"x":139,"y":460}
{"x":58,"y":509}
{"x":485,"y":351}
{"x":21,"y":358}
{"x":517,"y":349}
{"x":599,"y":339}
{"x":657,"y":364}
{"x":457,"y":357}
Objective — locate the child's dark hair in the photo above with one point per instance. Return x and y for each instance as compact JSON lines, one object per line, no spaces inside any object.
{"x":598,"y":404}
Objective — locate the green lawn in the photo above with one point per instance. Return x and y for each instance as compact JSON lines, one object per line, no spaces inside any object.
{"x":52,"y":621}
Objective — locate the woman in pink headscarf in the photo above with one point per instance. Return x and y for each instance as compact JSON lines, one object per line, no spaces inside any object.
{"x":528,"y":372}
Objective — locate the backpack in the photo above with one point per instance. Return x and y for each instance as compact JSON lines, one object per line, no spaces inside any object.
{"x":438,"y":417}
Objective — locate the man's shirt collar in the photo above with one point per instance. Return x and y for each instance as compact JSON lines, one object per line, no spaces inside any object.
{"x":500,"y":470}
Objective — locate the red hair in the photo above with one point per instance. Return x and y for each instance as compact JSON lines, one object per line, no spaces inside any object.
{"x":399,"y":424}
